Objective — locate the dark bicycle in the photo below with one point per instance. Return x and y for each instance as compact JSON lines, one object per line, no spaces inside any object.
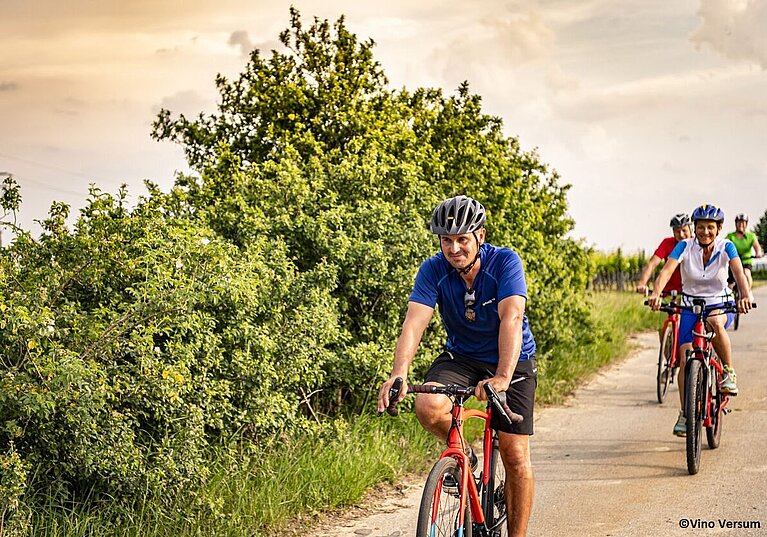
{"x":736,"y":292}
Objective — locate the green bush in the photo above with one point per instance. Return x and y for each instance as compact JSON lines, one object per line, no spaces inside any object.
{"x":132,"y":340}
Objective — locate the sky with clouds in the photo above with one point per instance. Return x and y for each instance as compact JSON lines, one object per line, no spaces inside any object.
{"x":646,"y":107}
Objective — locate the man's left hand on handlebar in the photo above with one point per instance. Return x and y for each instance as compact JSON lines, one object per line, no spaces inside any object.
{"x":501,"y":384}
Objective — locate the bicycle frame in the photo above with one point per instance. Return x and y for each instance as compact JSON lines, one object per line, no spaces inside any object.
{"x":702,"y":350}
{"x":673,"y":319}
{"x":454,"y":450}
{"x":482,"y":507}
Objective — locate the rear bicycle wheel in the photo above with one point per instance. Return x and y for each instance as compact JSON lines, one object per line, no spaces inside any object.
{"x":494,"y":497}
{"x":664,"y":361}
{"x":714,"y":433}
{"x":440,"y":502}
{"x":693,"y":410}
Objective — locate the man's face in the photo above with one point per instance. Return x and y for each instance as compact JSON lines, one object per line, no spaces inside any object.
{"x":682,"y":232}
{"x":706,"y":230}
{"x":741,"y":225}
{"x":460,"y":250}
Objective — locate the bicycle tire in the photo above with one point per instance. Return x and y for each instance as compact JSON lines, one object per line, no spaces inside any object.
{"x":494,"y":497}
{"x":666,"y":352}
{"x":693,"y":409}
{"x":736,"y":322}
{"x":446,"y":521}
{"x":714,"y":433}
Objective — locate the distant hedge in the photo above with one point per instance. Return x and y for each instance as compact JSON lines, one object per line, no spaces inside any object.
{"x":266,"y":292}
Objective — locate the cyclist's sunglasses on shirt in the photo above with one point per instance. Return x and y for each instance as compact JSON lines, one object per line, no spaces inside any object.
{"x":469,"y":299}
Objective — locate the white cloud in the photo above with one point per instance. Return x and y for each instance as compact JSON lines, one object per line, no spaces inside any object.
{"x":647,"y":94}
{"x":559,"y":81}
{"x":734,"y":28}
{"x":598,"y":144}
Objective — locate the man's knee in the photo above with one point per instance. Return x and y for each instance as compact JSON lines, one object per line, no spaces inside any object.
{"x":430,"y":409}
{"x":516,"y":455}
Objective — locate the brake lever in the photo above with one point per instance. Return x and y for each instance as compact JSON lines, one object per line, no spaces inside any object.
{"x":499,"y":402}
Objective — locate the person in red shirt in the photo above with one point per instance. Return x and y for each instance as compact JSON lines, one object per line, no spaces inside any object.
{"x":681,"y":225}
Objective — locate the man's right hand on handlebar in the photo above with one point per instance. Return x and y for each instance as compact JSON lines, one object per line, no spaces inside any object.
{"x":383,"y":394}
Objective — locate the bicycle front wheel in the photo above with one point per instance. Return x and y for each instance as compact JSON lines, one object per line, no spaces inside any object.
{"x":714,"y":433}
{"x":664,"y":361}
{"x":693,"y":410}
{"x":736,"y":321}
{"x":494,"y":497}
{"x":440,"y":503}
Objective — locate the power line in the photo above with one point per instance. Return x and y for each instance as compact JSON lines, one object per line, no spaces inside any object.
{"x":24,"y":179}
{"x":43,"y":184}
{"x":40,"y":164}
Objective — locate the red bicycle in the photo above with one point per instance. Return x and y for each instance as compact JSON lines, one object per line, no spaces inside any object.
{"x":704,"y":403}
{"x":668,"y":359}
{"x":455,"y":502}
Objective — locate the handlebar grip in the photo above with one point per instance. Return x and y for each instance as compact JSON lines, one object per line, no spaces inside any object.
{"x":392,"y":409}
{"x":421,"y":388}
{"x":499,"y":401}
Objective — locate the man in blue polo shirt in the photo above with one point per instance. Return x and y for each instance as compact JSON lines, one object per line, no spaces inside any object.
{"x":481,"y":293}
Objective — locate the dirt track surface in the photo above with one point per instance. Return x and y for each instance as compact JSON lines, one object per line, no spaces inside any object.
{"x":607,"y":464}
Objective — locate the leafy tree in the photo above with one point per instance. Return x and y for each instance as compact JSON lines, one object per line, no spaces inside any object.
{"x":761,"y":230}
{"x":310,"y":145}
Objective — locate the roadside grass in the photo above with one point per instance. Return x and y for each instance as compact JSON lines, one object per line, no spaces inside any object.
{"x":260,"y":494}
{"x":283,"y":489}
{"x":615,"y":316}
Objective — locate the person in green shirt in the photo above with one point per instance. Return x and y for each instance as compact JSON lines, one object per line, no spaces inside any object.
{"x":744,"y":241}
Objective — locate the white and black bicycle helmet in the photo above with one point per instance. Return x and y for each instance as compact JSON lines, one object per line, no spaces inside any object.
{"x":456,"y":216}
{"x":680,"y":220}
{"x":742,"y":217}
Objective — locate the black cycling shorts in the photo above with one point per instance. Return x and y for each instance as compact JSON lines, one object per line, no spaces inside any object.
{"x":731,"y":276}
{"x":450,"y":368}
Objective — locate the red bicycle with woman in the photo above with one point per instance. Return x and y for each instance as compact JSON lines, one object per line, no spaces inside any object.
{"x":705,"y":403}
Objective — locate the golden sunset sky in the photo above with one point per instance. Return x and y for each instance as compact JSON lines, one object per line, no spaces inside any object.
{"x":647,"y":107}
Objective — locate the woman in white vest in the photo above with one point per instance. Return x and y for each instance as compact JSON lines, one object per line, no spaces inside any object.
{"x":703,"y":261}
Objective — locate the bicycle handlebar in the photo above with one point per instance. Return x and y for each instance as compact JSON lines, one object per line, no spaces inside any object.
{"x":671,"y":308}
{"x":498,"y":400}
